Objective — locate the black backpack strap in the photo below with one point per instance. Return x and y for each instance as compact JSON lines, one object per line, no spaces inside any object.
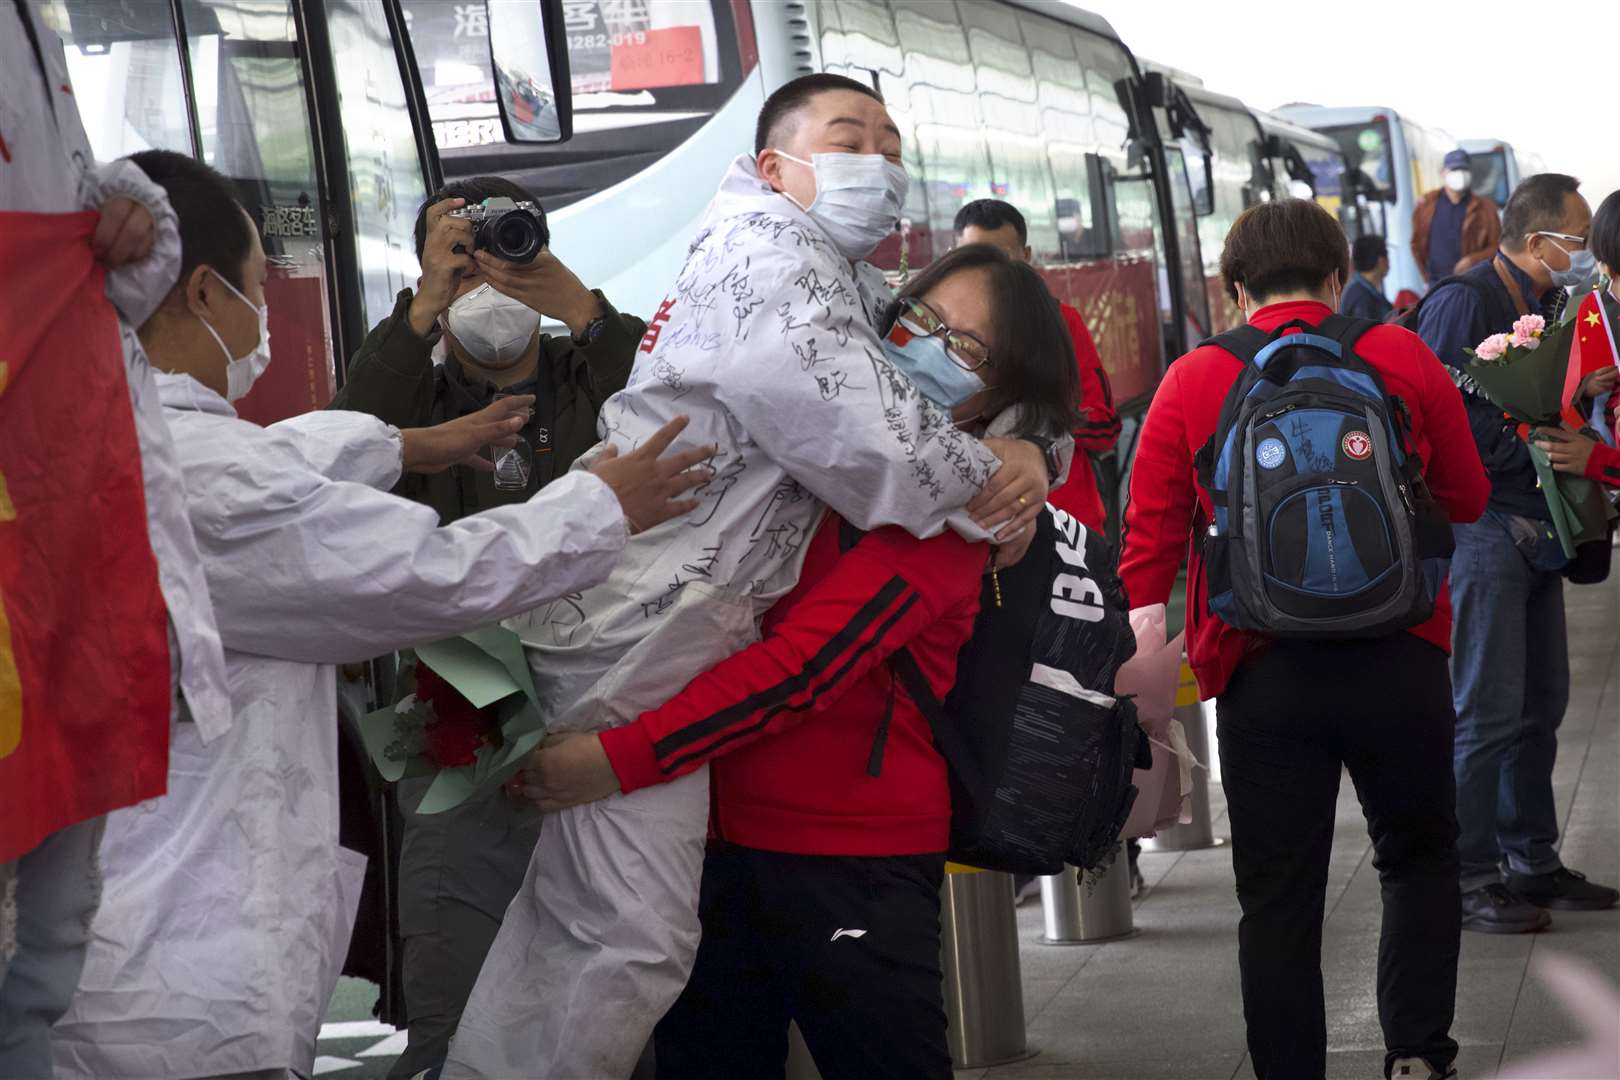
{"x":1345,"y":329}
{"x":1242,"y":342}
{"x":959,"y":756}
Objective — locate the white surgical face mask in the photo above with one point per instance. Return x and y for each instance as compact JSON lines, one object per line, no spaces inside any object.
{"x":241,"y":372}
{"x":858,"y":199}
{"x":494,"y":328}
{"x":1459,"y":179}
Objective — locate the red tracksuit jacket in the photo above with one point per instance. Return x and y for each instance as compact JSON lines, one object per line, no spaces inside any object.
{"x":789,"y":723}
{"x":1097,"y":433}
{"x":1185,"y":410}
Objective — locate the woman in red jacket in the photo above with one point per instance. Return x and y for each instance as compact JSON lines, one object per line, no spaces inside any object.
{"x":1292,"y":713}
{"x":820,"y":897}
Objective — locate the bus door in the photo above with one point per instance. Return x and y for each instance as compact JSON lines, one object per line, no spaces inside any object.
{"x":335,"y":215}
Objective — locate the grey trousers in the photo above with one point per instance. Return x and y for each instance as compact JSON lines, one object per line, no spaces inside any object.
{"x":54,"y":892}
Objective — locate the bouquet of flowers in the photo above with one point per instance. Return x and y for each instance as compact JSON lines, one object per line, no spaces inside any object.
{"x":469,"y":718}
{"x":1533,"y":374}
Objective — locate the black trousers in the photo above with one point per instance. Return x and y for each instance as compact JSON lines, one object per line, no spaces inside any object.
{"x":1290,"y":717}
{"x":848,"y":947}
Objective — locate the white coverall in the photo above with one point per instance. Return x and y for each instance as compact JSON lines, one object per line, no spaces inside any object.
{"x":767,"y":343}
{"x":228,"y":901}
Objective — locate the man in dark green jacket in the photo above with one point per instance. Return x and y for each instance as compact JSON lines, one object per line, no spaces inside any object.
{"x":470,"y":331}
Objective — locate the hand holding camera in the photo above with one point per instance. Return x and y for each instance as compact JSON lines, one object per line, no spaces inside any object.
{"x":446,"y":257}
{"x":545,"y":285}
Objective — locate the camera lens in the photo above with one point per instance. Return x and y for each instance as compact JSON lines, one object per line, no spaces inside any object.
{"x":516,"y":236}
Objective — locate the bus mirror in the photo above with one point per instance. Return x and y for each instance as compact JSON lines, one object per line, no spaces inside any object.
{"x":528,"y":51}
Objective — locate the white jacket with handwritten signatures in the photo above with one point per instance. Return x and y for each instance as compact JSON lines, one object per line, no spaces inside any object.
{"x":767,"y":342}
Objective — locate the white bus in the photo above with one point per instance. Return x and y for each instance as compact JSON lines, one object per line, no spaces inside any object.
{"x":1400,"y":160}
{"x":1498,"y":167}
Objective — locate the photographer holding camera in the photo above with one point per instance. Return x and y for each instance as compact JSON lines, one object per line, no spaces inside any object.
{"x":458,"y":870}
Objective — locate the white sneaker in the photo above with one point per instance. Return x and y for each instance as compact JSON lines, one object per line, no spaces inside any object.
{"x":1417,"y":1069}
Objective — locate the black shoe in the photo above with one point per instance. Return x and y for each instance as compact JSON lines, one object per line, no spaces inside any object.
{"x":1494,"y":910}
{"x":1562,"y":890}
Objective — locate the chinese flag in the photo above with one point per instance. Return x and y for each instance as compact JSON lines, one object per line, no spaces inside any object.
{"x":84,"y":665}
{"x":1592,"y":348}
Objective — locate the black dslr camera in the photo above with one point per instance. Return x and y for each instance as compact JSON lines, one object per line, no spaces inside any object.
{"x":514,"y":231}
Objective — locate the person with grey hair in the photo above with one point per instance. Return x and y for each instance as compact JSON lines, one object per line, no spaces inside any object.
{"x":1510,"y":654}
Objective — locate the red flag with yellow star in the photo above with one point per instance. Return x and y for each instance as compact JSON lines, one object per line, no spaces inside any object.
{"x":1592,"y":348}
{"x":84,"y":661}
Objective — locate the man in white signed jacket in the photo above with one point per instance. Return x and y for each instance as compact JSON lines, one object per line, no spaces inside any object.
{"x":767,"y":343}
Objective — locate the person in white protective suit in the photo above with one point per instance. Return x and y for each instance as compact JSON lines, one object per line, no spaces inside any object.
{"x":228,"y":901}
{"x":48,"y":896}
{"x":767,"y":342}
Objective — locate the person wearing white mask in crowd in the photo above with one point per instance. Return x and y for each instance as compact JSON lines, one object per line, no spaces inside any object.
{"x":228,"y":900}
{"x":467,"y":334}
{"x":1453,"y":228}
{"x":767,"y":340}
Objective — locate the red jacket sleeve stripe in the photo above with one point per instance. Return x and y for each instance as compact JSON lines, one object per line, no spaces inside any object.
{"x":799,"y":691}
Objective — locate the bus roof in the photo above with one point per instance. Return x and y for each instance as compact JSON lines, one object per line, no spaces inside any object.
{"x":1272,"y":124}
{"x":1484,"y":146}
{"x":1074,"y":16}
{"x":1317,"y":116}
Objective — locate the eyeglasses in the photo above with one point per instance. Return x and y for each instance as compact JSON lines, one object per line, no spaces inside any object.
{"x":1578,"y":241}
{"x":967,"y":351}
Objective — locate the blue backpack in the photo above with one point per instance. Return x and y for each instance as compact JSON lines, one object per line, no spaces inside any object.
{"x":1324,"y":526}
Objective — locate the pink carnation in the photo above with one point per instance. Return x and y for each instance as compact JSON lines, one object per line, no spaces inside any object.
{"x":1529,"y":325}
{"x":1527,"y":331}
{"x":1492,"y":347}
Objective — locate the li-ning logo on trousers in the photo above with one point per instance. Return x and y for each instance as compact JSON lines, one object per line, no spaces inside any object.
{"x":848,"y":933}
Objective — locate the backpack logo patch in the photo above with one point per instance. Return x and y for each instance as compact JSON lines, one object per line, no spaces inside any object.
{"x":1357,"y":446}
{"x":1271,"y":453}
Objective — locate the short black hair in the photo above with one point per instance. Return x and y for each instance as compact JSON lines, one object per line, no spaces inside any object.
{"x":789,"y":98}
{"x":213,"y":231}
{"x":474,"y":190}
{"x":1281,"y":246}
{"x":1033,"y":358}
{"x":1605,"y":240}
{"x":1537,"y":204}
{"x":992,"y":214}
{"x":1366,"y":252}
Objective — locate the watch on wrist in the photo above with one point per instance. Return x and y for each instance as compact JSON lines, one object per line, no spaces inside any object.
{"x":1049,"y":454}
{"x":592,"y":331}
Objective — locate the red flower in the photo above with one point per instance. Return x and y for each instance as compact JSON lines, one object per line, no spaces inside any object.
{"x":457,"y":729}
{"x":452,"y":742}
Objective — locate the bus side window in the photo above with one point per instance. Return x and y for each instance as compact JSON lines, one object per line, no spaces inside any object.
{"x":247,"y":73}
{"x":944,"y":105}
{"x":1008,"y":100}
{"x":125,"y":67}
{"x":387,"y":183}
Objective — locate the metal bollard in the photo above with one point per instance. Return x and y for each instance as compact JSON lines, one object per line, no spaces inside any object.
{"x":1080,"y":915}
{"x":1199,"y":832}
{"x":984,"y":989}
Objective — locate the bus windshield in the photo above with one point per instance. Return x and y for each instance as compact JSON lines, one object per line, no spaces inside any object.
{"x":1367,"y":147}
{"x":660,"y":66}
{"x":1490,"y":175}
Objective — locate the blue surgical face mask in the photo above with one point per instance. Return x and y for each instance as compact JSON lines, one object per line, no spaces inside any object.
{"x":1582,"y":271}
{"x":931,"y":369}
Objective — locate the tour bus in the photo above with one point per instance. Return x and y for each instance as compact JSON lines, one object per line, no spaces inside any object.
{"x":1498,"y":167}
{"x":335,"y":118}
{"x":1401,"y":159}
{"x":1311,"y":165}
